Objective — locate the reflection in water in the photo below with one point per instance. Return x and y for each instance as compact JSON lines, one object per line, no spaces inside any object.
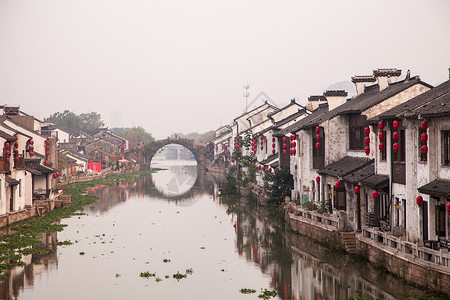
{"x":134,"y":226}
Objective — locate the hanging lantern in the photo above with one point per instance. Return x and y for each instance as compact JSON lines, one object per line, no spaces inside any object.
{"x":7,"y":153}
{"x":274,"y":170}
{"x":253,"y":163}
{"x":54,"y":176}
{"x":6,"y":145}
{"x":356,"y":189}
{"x":31,"y":153}
{"x":284,"y":139}
{"x":259,"y":167}
{"x":448,"y":207}
{"x":337,"y":184}
{"x":396,"y":147}
{"x":367,"y":150}
{"x":395,"y":124}
{"x":16,"y":152}
{"x":381,"y":125}
{"x":273,"y":145}
{"x":262,"y":147}
{"x":381,"y":146}
{"x":367,"y":130}
{"x":294,"y":137}
{"x":284,"y":145}
{"x":273,"y":151}
{"x":318,"y":179}
{"x":264,"y":168}
{"x":381,"y":135}
{"x":47,"y":153}
{"x":367,"y":140}
{"x":317,"y":136}
{"x":294,"y":144}
{"x":424,"y":149}
{"x":419,"y":200}
{"x":262,"y":142}
{"x":424,"y":137}
{"x":31,"y":148}
{"x":261,"y":137}
{"x":7,"y":160}
{"x":295,"y":151}
{"x":47,"y":142}
{"x":424,"y":125}
{"x":317,"y":129}
{"x":16,"y":159}
{"x":31,"y":142}
{"x":318,"y":145}
{"x":395,"y":135}
{"x":16,"y":144}
{"x":375,"y":194}
{"x":284,"y":151}
{"x":47,"y":148}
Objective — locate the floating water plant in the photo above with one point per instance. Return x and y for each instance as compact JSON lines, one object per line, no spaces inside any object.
{"x":266,"y":294}
{"x":179,"y":276}
{"x":247,"y":291}
{"x":166,"y":260}
{"x":82,"y":253}
{"x":147,"y":274}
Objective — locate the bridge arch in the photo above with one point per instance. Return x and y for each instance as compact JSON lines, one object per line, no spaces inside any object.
{"x":144,"y":154}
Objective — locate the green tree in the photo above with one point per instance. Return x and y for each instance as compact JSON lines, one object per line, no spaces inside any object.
{"x":135,"y":135}
{"x":91,"y":121}
{"x":73,"y":123}
{"x":280,"y":185}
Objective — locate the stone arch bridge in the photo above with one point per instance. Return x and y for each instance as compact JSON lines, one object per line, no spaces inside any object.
{"x":144,"y":154}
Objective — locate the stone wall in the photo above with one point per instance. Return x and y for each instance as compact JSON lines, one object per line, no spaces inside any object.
{"x":317,"y":233}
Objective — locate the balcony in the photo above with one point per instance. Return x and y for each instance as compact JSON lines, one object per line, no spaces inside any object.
{"x":4,"y":166}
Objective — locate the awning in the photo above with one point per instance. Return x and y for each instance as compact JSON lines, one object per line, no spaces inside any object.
{"x":357,"y":176}
{"x":270,"y":159}
{"x":345,"y":166}
{"x":33,"y":171}
{"x":438,"y":187}
{"x":376,"y":181}
{"x":11,"y":181}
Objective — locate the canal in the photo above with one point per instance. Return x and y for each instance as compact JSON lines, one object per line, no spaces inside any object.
{"x":138,"y":235}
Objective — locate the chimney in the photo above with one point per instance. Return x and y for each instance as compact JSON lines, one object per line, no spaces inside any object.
{"x":386,"y":76}
{"x":361,"y":82}
{"x":335,"y":98}
{"x":315,"y":101}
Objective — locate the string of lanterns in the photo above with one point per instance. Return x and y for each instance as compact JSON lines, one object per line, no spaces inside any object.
{"x":367,"y":140}
{"x":381,"y":136}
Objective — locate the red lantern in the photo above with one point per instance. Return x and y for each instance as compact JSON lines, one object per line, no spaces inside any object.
{"x":259,"y":167}
{"x":262,"y":142}
{"x":448,"y":207}
{"x":264,"y":168}
{"x":31,"y":148}
{"x":396,"y":147}
{"x":318,"y":129}
{"x":424,"y":149}
{"x":294,"y":137}
{"x":253,"y":163}
{"x":16,"y":159}
{"x":47,"y":153}
{"x":31,"y":153}
{"x":367,"y":130}
{"x":47,"y":148}
{"x":424,"y":137}
{"x":367,"y":140}
{"x":337,"y":184}
{"x":317,"y":136}
{"x":16,"y":144}
{"x":318,"y":179}
{"x":7,"y":152}
{"x":47,"y":142}
{"x":295,"y":151}
{"x":375,"y":194}
{"x":262,"y":147}
{"x":284,"y":151}
{"x":31,"y":142}
{"x":356,"y":189}
{"x":395,"y":135}
{"x":395,"y":124}
{"x":284,"y":139}
{"x":294,"y":144}
{"x":367,"y":150}
{"x":381,"y":146}
{"x":261,"y":137}
{"x":7,"y":160}
{"x":6,"y":145}
{"x":273,"y":145}
{"x":284,"y":145}
{"x":54,"y":176}
{"x":16,"y":152}
{"x":419,"y":200}
{"x":318,"y":145}
{"x":273,"y":140}
{"x":273,"y":151}
{"x":275,"y":170}
{"x":381,"y":125}
{"x":424,"y":125}
{"x":381,"y":135}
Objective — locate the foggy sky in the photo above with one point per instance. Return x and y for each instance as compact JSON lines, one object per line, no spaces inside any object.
{"x":179,"y":66}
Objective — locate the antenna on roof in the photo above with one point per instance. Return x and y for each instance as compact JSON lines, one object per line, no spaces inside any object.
{"x":246,"y":95}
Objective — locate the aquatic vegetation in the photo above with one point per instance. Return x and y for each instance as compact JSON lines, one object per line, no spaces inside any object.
{"x":179,"y":276}
{"x":189,"y":271}
{"x":266,"y":294}
{"x":117,"y":275}
{"x":82,"y":253}
{"x":166,"y":260}
{"x":157,"y":279}
{"x":167,"y":276}
{"x":203,"y":248}
{"x":247,"y":291}
{"x":147,"y":274}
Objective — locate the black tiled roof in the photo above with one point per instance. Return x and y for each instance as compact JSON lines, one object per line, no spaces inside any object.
{"x":356,"y":176}
{"x":365,"y":78}
{"x":317,"y":98}
{"x":316,"y":117}
{"x":345,"y":166}
{"x":433,"y":103}
{"x":335,"y":93}
{"x":269,"y":159}
{"x":438,"y":187}
{"x":35,"y":165}
{"x":7,"y":137}
{"x":376,"y":181}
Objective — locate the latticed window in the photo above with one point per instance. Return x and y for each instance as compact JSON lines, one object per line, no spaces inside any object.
{"x":445,"y":141}
{"x":356,"y":131}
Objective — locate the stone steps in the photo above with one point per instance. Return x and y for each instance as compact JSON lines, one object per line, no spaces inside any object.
{"x":349,"y":241}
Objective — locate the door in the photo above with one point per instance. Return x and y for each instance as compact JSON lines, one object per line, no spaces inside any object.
{"x":440,"y":221}
{"x":425,"y":220}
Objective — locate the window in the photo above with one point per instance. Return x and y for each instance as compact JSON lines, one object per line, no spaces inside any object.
{"x":20,"y":187}
{"x":399,"y":156}
{"x":318,"y":152}
{"x":383,"y":152}
{"x":356,"y":131}
{"x":340,"y":198}
{"x":445,"y":137}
